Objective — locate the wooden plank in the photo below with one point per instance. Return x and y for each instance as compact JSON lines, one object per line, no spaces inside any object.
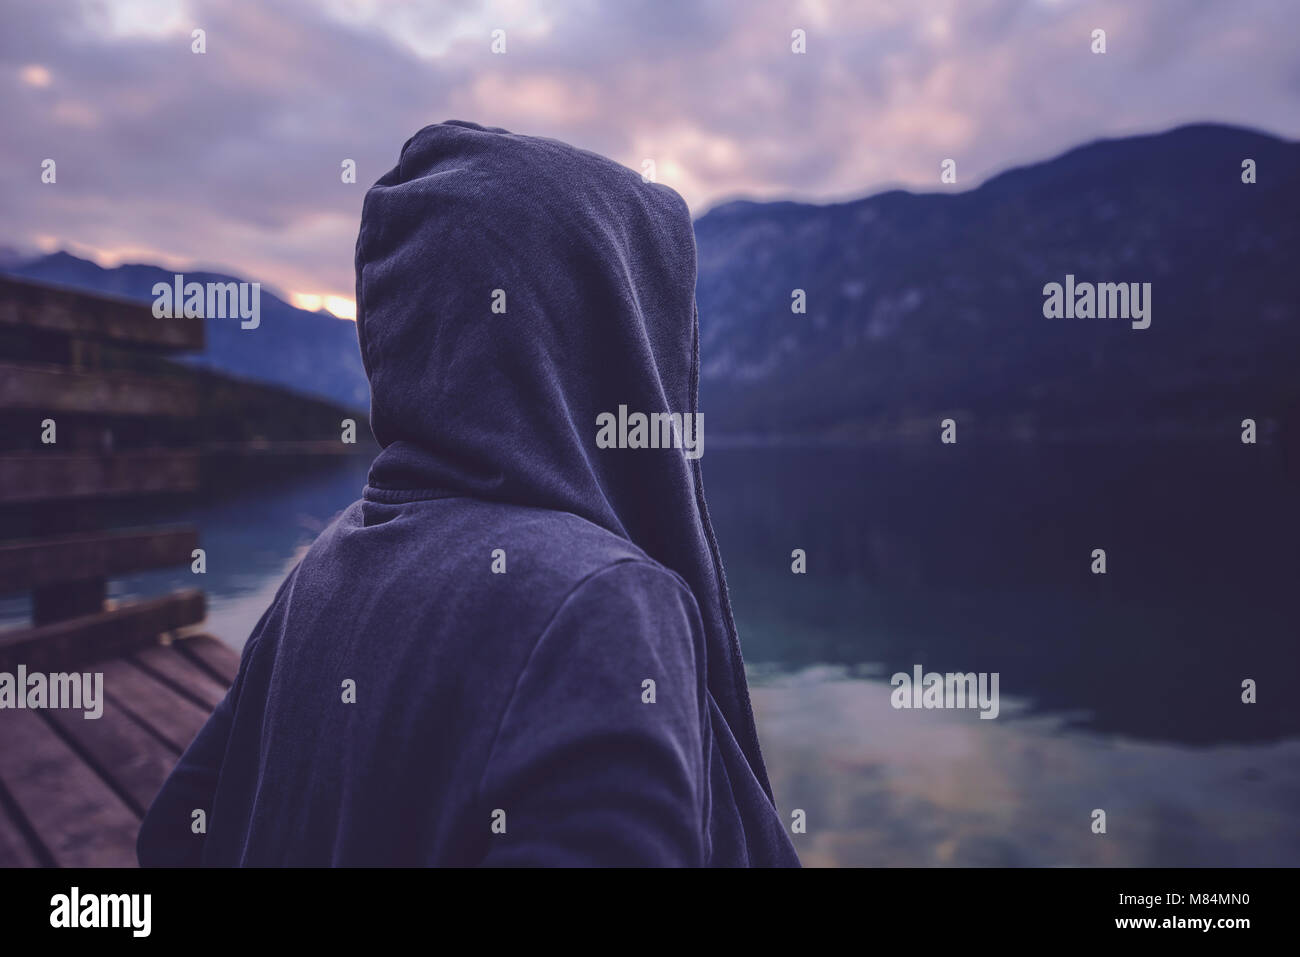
{"x":183,"y":675}
{"x":15,"y":849}
{"x":77,"y":641}
{"x":29,"y":564}
{"x":220,"y":660}
{"x":78,"y":817}
{"x":289,"y":448}
{"x":130,"y":759}
{"x":39,"y":476}
{"x":51,"y":603}
{"x":55,"y":390}
{"x":170,"y":717}
{"x":93,"y":316}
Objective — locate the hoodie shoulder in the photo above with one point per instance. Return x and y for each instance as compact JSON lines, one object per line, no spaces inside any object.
{"x":533,"y":556}
{"x":549,"y":550}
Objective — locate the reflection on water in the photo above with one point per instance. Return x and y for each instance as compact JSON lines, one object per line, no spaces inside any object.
{"x":1119,"y":692}
{"x":928,"y":788}
{"x":253,"y":536}
{"x":979,"y":560}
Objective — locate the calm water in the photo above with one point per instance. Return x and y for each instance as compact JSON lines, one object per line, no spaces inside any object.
{"x":1119,"y":692}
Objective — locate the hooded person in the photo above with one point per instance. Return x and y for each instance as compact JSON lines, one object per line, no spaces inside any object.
{"x":517,"y":647}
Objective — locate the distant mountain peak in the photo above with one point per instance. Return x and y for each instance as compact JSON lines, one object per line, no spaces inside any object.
{"x":931,"y":302}
{"x":1101,"y":150}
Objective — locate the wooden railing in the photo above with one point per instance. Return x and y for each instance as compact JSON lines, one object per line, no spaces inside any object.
{"x":64,"y":364}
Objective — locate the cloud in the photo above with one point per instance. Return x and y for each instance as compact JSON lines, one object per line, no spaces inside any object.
{"x":231,"y":159}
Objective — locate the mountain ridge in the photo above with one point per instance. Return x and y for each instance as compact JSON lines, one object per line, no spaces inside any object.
{"x":923,"y":304}
{"x":930,"y":304}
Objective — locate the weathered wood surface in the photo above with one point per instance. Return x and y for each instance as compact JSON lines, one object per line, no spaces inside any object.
{"x":72,"y":789}
{"x":180,"y":673}
{"x":286,"y":448}
{"x":15,"y":849}
{"x":171,"y":717}
{"x":52,"y":389}
{"x":130,"y":759}
{"x":101,"y":635}
{"x":48,"y":561}
{"x":94,"y":316}
{"x":81,"y":821}
{"x":39,"y":476}
{"x":211,"y":656}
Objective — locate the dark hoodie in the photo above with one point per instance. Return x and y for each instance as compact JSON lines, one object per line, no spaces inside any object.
{"x":405,"y":700}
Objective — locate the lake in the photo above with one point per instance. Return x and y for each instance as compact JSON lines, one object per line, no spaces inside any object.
{"x":1118,"y":691}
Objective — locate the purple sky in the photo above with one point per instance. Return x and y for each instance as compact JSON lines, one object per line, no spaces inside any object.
{"x":231,"y":159}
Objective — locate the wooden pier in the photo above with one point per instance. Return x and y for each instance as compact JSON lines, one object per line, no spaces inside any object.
{"x":96,"y":414}
{"x":73,"y":789}
{"x":84,"y":371}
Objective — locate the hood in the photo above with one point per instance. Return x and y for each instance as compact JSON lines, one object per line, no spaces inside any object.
{"x":511,"y":290}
